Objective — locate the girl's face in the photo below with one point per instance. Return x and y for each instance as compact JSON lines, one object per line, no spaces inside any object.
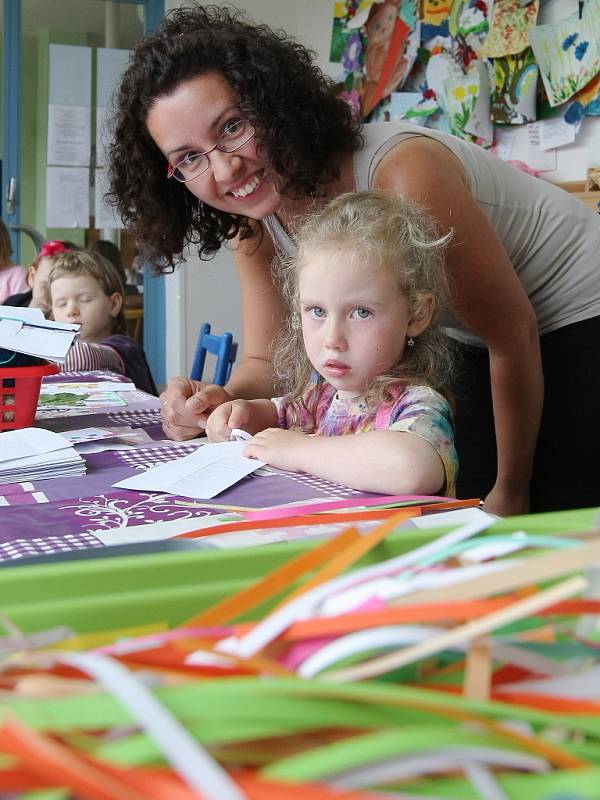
{"x":81,"y":300}
{"x":355,"y":319}
{"x":190,"y":120}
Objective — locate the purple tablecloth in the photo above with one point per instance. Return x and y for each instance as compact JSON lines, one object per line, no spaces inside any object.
{"x":62,"y":514}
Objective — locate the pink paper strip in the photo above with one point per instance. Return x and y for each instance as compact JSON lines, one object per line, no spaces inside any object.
{"x":349,"y":502}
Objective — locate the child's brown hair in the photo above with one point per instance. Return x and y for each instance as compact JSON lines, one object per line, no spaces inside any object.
{"x":84,"y":262}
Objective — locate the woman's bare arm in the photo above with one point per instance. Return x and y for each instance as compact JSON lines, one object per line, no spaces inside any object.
{"x":262,"y":316}
{"x":488,"y":298}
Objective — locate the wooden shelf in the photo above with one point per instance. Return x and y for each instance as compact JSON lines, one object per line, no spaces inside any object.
{"x":591,"y":199}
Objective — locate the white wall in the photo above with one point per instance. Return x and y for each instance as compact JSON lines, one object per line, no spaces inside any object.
{"x":208,"y":292}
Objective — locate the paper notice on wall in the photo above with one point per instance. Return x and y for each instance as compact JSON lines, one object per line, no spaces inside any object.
{"x":69,"y":135}
{"x":110,"y":65}
{"x":69,"y":105}
{"x":67,"y":197}
{"x":556,"y":133}
{"x":104,"y":214}
{"x":541,"y":160}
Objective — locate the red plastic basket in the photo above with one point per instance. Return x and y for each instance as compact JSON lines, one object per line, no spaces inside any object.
{"x":19,"y":394}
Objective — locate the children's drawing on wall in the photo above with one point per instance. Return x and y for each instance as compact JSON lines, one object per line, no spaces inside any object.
{"x":468,"y":26}
{"x":468,"y":67}
{"x":568,"y":52}
{"x":413,"y":106}
{"x":515,"y":88}
{"x":586,"y":103}
{"x":509,"y":28}
{"x":385,"y":63}
{"x":434,"y":15}
{"x":467,"y":103}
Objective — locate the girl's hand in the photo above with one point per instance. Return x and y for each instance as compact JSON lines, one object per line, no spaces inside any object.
{"x":186,"y":406}
{"x":278,"y":447}
{"x":234,"y":414}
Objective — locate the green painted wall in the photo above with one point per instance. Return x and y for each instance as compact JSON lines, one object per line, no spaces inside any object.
{"x":34,"y":127}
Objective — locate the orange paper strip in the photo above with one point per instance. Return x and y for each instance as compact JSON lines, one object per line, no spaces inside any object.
{"x":301,"y":519}
{"x":60,"y":765}
{"x":273,"y":583}
{"x":350,"y":555}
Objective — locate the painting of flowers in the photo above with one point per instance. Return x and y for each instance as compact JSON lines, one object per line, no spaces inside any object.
{"x":509,"y":28}
{"x":568,"y":52}
{"x":467,"y":103}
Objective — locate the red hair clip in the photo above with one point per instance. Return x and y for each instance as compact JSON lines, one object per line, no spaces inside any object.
{"x":52,"y":248}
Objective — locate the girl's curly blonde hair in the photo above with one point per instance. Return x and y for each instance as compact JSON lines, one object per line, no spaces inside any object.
{"x":405,"y":240}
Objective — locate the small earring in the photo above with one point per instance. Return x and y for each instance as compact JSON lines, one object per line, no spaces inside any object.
{"x":410,"y":342}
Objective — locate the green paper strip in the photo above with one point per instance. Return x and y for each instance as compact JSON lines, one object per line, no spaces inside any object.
{"x":324,"y":762}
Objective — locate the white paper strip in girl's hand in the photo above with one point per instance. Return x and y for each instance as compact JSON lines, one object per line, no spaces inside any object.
{"x":238,"y":435}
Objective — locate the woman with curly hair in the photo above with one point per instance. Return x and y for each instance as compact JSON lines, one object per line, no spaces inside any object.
{"x":227,"y":132}
{"x":363,"y":294}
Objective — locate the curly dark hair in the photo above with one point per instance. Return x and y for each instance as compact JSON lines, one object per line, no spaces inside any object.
{"x":300,"y":122}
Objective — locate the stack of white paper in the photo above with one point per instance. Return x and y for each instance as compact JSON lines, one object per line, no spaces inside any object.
{"x":25,"y":330}
{"x":32,"y":454}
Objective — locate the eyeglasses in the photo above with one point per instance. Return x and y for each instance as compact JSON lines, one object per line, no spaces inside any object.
{"x":236,"y":134}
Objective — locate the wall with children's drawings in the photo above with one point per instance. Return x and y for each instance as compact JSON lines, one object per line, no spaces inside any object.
{"x":200,"y":292}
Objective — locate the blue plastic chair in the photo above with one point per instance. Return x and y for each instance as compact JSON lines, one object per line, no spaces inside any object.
{"x":223,"y":347}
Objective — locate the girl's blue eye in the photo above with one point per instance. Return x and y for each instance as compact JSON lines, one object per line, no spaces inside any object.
{"x":317,"y":312}
{"x":362,"y":313}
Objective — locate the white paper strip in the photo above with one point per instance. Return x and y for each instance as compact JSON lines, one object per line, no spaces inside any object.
{"x":435,"y":761}
{"x":305,"y":605}
{"x":188,"y":758}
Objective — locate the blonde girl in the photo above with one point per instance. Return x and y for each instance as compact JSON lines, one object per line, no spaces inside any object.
{"x":363,"y":353}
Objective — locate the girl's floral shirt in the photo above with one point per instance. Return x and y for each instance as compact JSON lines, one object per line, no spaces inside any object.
{"x":415,"y":409}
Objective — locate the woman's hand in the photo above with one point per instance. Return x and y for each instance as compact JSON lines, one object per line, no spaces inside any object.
{"x":187,"y":405}
{"x":234,"y":414}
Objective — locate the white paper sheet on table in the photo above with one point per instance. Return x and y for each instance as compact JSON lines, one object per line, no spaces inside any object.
{"x":29,"y":442}
{"x":97,"y":440}
{"x":201,"y":475}
{"x":25,"y":330}
{"x":35,"y":454}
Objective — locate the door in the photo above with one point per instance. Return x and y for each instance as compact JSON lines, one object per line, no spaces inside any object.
{"x":30,"y":28}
